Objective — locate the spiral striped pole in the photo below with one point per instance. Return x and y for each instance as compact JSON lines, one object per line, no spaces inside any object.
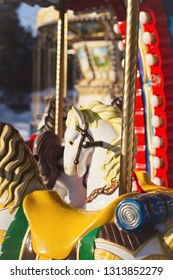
{"x":61,"y":68}
{"x":128,"y":113}
{"x":58,"y":68}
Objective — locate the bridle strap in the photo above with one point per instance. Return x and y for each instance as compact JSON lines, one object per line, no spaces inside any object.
{"x":84,"y":134}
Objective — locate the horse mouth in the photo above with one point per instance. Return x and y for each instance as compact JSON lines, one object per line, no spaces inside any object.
{"x":78,"y":171}
{"x":70,"y":171}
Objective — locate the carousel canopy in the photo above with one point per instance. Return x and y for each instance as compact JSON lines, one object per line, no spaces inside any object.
{"x":77,"y":5}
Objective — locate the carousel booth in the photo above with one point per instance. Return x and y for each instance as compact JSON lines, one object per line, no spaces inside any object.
{"x":94,"y":70}
{"x":104,"y":71}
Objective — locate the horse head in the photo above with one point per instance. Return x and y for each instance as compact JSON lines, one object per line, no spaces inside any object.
{"x":74,"y":154}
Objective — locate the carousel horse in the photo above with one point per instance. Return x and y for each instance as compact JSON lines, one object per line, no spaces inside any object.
{"x":16,"y":163}
{"x":96,"y":130}
{"x":49,"y":150}
{"x":43,"y":226}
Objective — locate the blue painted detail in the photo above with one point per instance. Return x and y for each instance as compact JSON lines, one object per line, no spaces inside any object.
{"x":147,"y":209}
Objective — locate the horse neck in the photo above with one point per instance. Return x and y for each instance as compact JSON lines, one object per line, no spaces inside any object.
{"x":106,"y":133}
{"x":70,"y":188}
{"x":95,"y":179}
{"x":103,"y":132}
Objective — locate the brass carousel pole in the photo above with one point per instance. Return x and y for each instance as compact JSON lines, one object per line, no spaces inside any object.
{"x":61,"y":71}
{"x":128,"y":113}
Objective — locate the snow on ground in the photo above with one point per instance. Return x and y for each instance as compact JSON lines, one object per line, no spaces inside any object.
{"x":21,"y":121}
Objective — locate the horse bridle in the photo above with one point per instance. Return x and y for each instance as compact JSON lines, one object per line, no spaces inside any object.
{"x":107,"y":190}
{"x":83,"y":144}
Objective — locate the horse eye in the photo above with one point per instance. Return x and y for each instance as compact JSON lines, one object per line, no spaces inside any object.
{"x":71,"y":142}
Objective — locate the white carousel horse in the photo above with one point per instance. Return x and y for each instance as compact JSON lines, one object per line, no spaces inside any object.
{"x":55,"y":228}
{"x":50,"y":153}
{"x":96,"y":130}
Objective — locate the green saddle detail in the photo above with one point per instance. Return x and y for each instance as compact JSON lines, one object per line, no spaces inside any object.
{"x":86,"y":251}
{"x":14,"y":236}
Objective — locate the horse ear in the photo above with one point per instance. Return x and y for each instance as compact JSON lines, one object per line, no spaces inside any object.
{"x":79,"y":115}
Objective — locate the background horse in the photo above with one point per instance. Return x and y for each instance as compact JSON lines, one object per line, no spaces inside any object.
{"x":50,"y":159}
{"x":19,"y":174}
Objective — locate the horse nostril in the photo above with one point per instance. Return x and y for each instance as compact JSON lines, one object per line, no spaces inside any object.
{"x":71,"y":142}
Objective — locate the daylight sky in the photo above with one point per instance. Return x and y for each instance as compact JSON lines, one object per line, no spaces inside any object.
{"x":27,"y":15}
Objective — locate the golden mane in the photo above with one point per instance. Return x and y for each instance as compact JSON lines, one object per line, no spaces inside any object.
{"x":19,"y":172}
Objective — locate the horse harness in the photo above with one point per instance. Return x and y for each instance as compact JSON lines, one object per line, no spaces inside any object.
{"x":83,"y":144}
{"x":107,"y":190}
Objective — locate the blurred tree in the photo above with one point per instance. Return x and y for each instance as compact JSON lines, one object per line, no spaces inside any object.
{"x":16,"y":45}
